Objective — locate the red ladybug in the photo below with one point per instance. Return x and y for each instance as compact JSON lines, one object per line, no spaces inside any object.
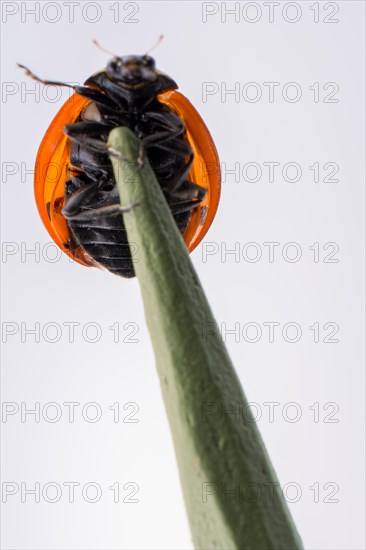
{"x":74,"y":179}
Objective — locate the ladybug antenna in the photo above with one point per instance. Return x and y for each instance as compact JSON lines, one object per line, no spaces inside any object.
{"x":155,"y":45}
{"x":103,"y":49}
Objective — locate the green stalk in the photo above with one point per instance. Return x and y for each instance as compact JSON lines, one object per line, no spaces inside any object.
{"x":231,"y":491}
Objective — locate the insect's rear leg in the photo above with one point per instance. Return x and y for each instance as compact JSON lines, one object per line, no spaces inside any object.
{"x":101,"y":212}
{"x":78,"y":194}
{"x":92,"y":135}
{"x":183,"y":206}
{"x":79,"y":204}
{"x":89,"y":146}
{"x":188,"y":190}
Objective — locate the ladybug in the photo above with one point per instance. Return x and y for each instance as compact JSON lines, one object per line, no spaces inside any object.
{"x":75,"y":189}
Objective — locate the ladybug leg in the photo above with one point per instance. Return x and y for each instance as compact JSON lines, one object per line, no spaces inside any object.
{"x":29,"y":73}
{"x":188,"y":196}
{"x":179,"y":186}
{"x":73,"y":209}
{"x":151,"y":141}
{"x":189,"y":193}
{"x":77,"y":199}
{"x":102,"y":212}
{"x":165,"y":140}
{"x":178,"y":180}
{"x":83,"y":133}
{"x":109,"y":89}
{"x":183,"y":206}
{"x":89,"y":93}
{"x":166,"y":120}
{"x":188,"y":190}
{"x":168,"y":127}
{"x":96,"y":96}
{"x":170,"y":139}
{"x":86,"y":133}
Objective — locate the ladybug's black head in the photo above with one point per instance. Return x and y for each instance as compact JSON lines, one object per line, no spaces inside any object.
{"x":132,"y":71}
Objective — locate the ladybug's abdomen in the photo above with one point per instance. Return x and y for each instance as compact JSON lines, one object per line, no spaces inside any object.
{"x":103,"y":237}
{"x":106,"y":242}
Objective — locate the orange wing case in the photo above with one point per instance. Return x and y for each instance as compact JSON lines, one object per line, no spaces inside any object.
{"x":205,"y":169}
{"x":53,"y":165}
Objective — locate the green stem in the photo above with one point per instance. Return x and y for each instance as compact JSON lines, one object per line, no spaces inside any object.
{"x":217,"y":451}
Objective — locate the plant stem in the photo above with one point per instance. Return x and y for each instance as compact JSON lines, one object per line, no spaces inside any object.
{"x":232,"y":494}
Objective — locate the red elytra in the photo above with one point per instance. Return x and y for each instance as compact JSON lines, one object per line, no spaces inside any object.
{"x":53,"y":165}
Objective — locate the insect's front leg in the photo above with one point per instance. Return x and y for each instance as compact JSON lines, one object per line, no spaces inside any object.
{"x":90,"y":93}
{"x":165,"y":126}
{"x":170,"y":139}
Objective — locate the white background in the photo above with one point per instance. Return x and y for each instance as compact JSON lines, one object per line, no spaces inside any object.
{"x":312,"y":450}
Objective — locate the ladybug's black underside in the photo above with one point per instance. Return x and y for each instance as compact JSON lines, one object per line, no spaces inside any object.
{"x":92,"y":184}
